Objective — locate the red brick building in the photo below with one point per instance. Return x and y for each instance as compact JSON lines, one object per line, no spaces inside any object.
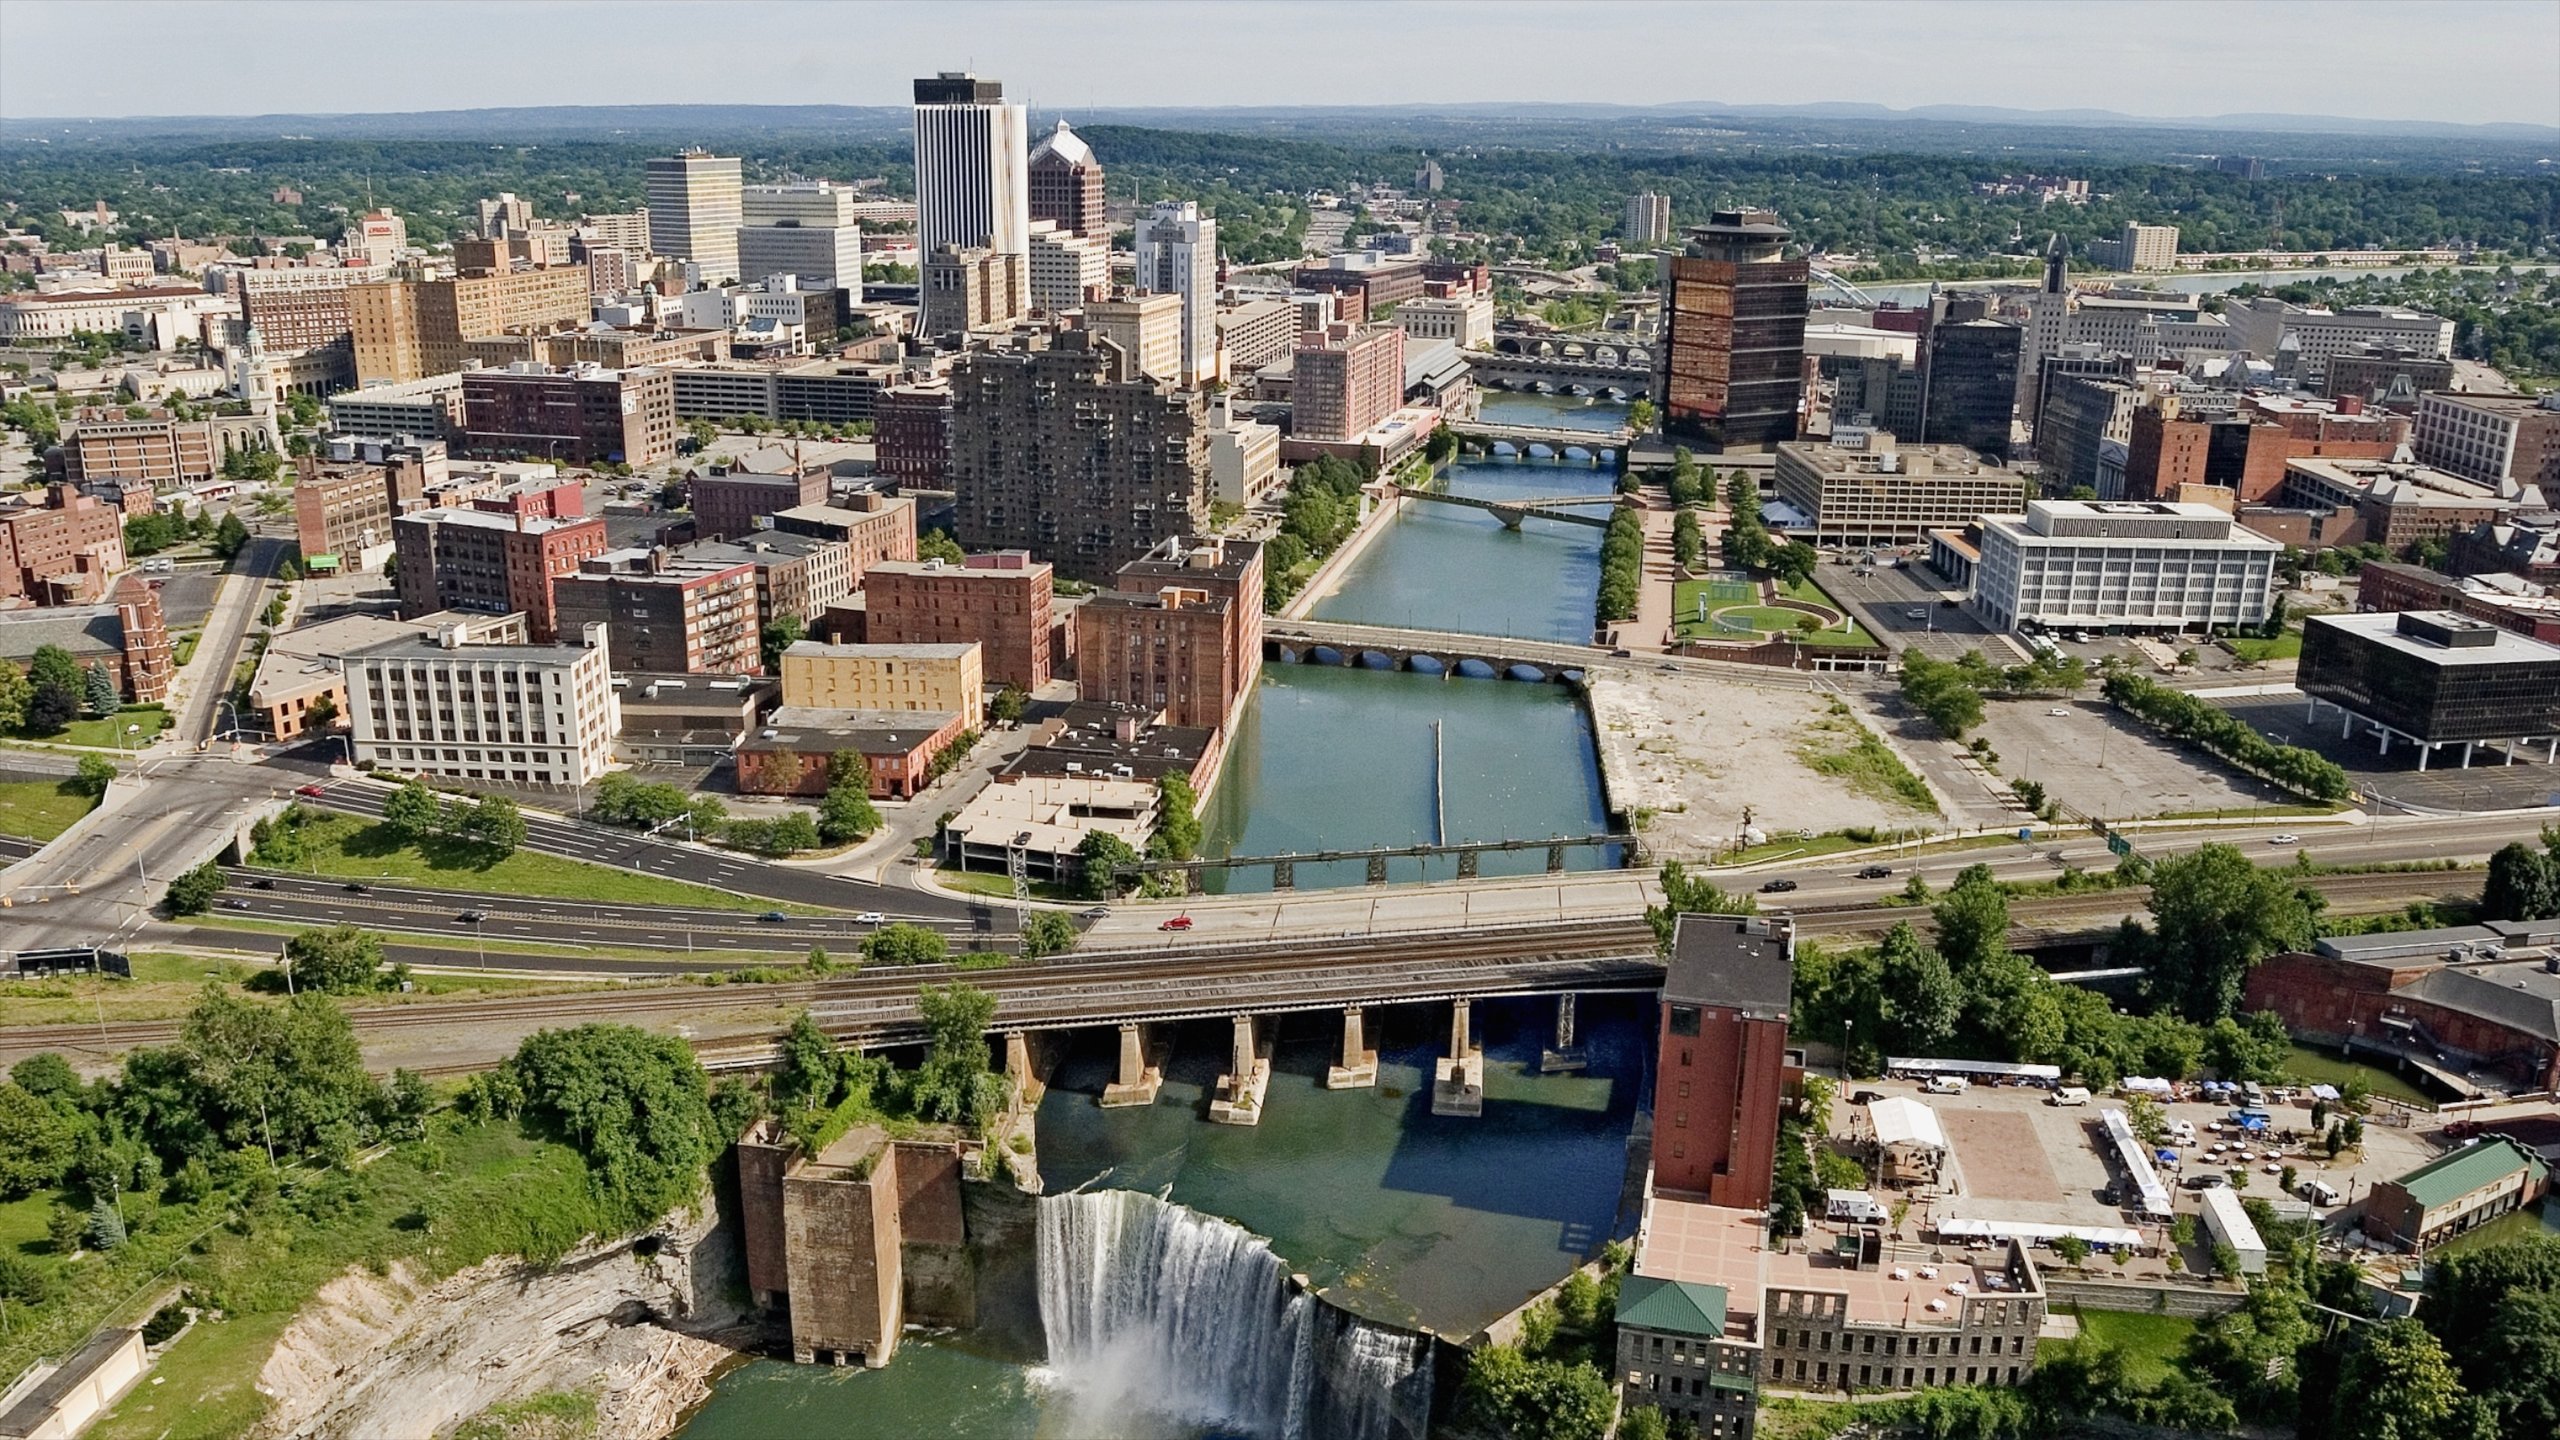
{"x":1000,"y":600}
{"x":789,"y":755}
{"x":664,"y":613}
{"x":729,"y":504}
{"x":1345,"y":381}
{"x":127,"y":635}
{"x":60,"y":552}
{"x":490,"y":561}
{"x":1180,"y":635}
{"x":1723,"y":1058}
{"x":581,"y":415}
{"x":2489,"y":1005}
{"x":915,"y":433}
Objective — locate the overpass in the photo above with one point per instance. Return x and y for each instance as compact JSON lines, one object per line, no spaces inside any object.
{"x":1512,"y":511}
{"x":1284,"y":868}
{"x":1497,"y":370}
{"x":1485,"y":657}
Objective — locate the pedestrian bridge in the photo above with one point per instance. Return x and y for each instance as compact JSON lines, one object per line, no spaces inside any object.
{"x":1512,"y":511}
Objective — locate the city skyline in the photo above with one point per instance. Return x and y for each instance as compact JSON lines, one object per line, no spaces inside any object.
{"x":2476,"y":62}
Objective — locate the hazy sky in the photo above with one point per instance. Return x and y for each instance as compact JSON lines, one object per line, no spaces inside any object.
{"x":2453,"y":60}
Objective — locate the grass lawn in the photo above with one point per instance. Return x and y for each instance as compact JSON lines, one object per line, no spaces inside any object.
{"x":2320,"y":1067}
{"x":2151,"y":1343}
{"x":184,"y":648}
{"x":2287,"y":646}
{"x":1843,"y":749}
{"x":40,"y":809}
{"x":983,"y":882}
{"x":465,"y":950}
{"x":164,"y":986}
{"x":22,"y":1225}
{"x":107,"y":732}
{"x":354,"y":848}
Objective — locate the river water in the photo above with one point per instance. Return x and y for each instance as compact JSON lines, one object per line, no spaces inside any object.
{"x":1398,"y":1218}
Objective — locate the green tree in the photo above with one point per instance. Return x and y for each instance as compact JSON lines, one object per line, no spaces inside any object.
{"x":1921,"y":996}
{"x":2213,"y":916}
{"x":192,"y":893}
{"x":37,"y":1139}
{"x":1099,"y":857}
{"x":1972,"y":919}
{"x":56,"y":689}
{"x":636,"y":1106}
{"x":249,"y":1073}
{"x":1007,"y":707}
{"x":1941,"y":691}
{"x":1687,"y":543}
{"x":495,"y":824}
{"x":93,"y":774}
{"x":413,"y":811}
{"x":2395,"y":1383}
{"x":1177,"y":834}
{"x":2073,"y":1250}
{"x":846,"y":814}
{"x":1046,"y":933}
{"x":1685,"y":894}
{"x":905,"y":945}
{"x":99,"y":694}
{"x":105,"y":1230}
{"x":15,"y":692}
{"x":231,"y":536}
{"x":1640,"y":414}
{"x":2497,"y":1311}
{"x":780,"y":634}
{"x":938,"y":545}
{"x":341,"y":960}
{"x":1540,"y":1399}
{"x":2523,"y":884}
{"x":953,"y":1085}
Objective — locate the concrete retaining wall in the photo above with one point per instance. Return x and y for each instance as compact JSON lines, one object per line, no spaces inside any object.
{"x":2194,"y":1302}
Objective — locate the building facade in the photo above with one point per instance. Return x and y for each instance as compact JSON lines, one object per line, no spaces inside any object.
{"x":1066,"y":186}
{"x":1648,"y":219}
{"x":945,"y":678}
{"x":2432,"y":678}
{"x":1733,"y":313}
{"x":666,"y":613}
{"x":695,"y":208}
{"x":1880,"y":492}
{"x":2134,"y":565}
{"x":1066,"y":269}
{"x":1178,"y":255}
{"x":65,"y":551}
{"x":737,"y":502}
{"x":410,"y":329}
{"x":1346,"y":380}
{"x":999,"y":601}
{"x":490,"y":562}
{"x":583,"y":415}
{"x":1148,"y":327}
{"x":973,"y":177}
{"x":1722,"y":1058}
{"x":520,"y":714}
{"x":2492,"y":438}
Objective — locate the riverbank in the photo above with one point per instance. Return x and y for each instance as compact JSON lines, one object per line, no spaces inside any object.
{"x":1329,"y":576}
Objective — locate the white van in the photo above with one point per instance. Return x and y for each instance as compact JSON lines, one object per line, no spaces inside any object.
{"x":2318,"y":1192}
{"x":2071,"y":1095}
{"x":1947,"y":1085}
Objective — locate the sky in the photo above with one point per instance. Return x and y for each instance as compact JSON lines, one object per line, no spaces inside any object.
{"x":2449,"y":60}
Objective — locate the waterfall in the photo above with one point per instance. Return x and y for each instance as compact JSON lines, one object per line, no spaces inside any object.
{"x":1151,"y":1307}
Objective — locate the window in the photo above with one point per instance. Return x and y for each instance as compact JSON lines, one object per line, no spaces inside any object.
{"x":1684,"y":1021}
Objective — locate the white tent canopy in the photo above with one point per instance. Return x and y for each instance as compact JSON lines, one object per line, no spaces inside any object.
{"x":2111,"y":1236}
{"x":1901,"y":1121}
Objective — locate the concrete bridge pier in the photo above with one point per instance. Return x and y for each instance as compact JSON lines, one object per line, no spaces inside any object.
{"x":1240,"y":1093}
{"x":1457,"y":1081}
{"x":1359,"y":1067}
{"x":1141,"y":1071}
{"x":1567,"y":1053}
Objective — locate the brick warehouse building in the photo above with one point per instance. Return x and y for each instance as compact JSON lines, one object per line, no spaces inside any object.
{"x":1001,"y":600}
{"x":581,"y":415}
{"x":1723,"y":1059}
{"x":2490,"y":1004}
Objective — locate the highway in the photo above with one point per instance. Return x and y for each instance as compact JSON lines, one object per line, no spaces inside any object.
{"x":100,"y":879}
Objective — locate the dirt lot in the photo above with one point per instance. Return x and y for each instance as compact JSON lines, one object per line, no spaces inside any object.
{"x":1704,"y":749}
{"x":2100,"y":763}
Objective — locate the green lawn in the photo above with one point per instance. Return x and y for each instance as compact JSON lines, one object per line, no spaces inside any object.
{"x":1846,"y":750}
{"x":2323,"y":1067}
{"x":107,"y":732}
{"x":166,"y":986}
{"x":2287,"y":646}
{"x":354,"y":848}
{"x":40,"y":809}
{"x":2151,"y":1343}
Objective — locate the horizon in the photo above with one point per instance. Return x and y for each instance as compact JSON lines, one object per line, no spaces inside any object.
{"x":2475,"y":62}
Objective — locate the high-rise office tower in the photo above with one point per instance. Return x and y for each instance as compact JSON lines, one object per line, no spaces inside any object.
{"x":972,"y":177}
{"x":805,"y":228}
{"x":1969,"y":377}
{"x":694,"y":211}
{"x":1733,"y":308}
{"x":1178,"y":255}
{"x":1066,"y":185}
{"x":1648,"y":219}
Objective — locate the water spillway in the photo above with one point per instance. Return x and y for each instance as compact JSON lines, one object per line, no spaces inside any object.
{"x":1149,"y":1306}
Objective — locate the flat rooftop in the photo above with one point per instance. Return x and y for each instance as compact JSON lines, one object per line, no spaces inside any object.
{"x":1689,"y":1240}
{"x":2503,"y":647}
{"x":1745,"y":962}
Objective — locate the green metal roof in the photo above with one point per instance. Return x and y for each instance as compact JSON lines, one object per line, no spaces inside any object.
{"x":2450,"y":1177}
{"x":1673,"y":1306}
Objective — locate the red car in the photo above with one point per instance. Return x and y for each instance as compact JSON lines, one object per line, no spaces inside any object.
{"x":1178,"y":922}
{"x":311,"y":790}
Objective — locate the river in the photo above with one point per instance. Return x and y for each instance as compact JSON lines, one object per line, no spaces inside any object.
{"x":1389,"y":1212}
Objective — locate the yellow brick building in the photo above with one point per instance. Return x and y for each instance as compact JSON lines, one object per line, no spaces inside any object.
{"x":945,"y":679}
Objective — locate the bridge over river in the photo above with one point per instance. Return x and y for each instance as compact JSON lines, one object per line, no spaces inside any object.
{"x":1485,"y":657}
{"x":1512,"y":510}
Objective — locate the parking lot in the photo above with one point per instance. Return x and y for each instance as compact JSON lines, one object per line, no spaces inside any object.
{"x":2101,"y":763}
{"x":1883,"y":599}
{"x":2016,"y":1156}
{"x":2490,"y":783}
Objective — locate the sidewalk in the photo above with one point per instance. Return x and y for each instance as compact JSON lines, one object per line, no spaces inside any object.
{"x":1651,"y":627}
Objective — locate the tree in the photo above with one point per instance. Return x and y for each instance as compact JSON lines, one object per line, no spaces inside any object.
{"x":938,"y":545}
{"x":847,"y":814}
{"x":320,"y":716}
{"x":2497,"y":1312}
{"x":2523,"y":884}
{"x":193,"y":892}
{"x":1972,"y":919}
{"x":2395,"y":1383}
{"x":1177,"y":834}
{"x":495,"y":824}
{"x":36,"y":1141}
{"x":780,"y":634}
{"x":1046,"y":933}
{"x":105,"y":1230}
{"x":1921,"y":997}
{"x":1535,"y":1399}
{"x":905,"y":945}
{"x":93,"y":774}
{"x":56,"y":689}
{"x":1007,"y":707}
{"x":2073,"y":1250}
{"x":341,"y":960}
{"x":635,"y":1105}
{"x":1683,"y":894}
{"x":953,"y":1085}
{"x":2213,"y":916}
{"x":15,"y":692}
{"x":1099,"y":859}
{"x":1640,"y":414}
{"x":1687,"y":543}
{"x":99,"y":694}
{"x":231,"y":536}
{"x":413,"y":811}
{"x":1941,"y":691}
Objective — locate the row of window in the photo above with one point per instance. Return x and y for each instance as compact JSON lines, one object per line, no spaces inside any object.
{"x":1882,"y":1377}
{"x":1805,"y":1340}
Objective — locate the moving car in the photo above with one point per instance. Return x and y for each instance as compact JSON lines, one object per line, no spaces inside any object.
{"x":357,"y":887}
{"x":870,"y":917}
{"x":472,"y":917}
{"x":311,"y":790}
{"x":1095,"y":912}
{"x":1777,"y":886}
{"x":235,"y":904}
{"x":262,"y":883}
{"x":2057,"y":710}
{"x":2284,"y":839}
{"x":1916,"y":612}
{"x":772,"y":917}
{"x":1178,"y":922}
{"x":1875,"y":872}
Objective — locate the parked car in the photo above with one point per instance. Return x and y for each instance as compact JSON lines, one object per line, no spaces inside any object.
{"x":1875,"y":872}
{"x":1947,"y":1085}
{"x":2209,"y":1180}
{"x":1178,"y":922}
{"x":2071,"y":1095}
{"x":2057,"y":710}
{"x":1776,"y":887}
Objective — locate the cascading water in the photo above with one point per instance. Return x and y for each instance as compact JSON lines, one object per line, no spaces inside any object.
{"x":1151,"y":1307}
